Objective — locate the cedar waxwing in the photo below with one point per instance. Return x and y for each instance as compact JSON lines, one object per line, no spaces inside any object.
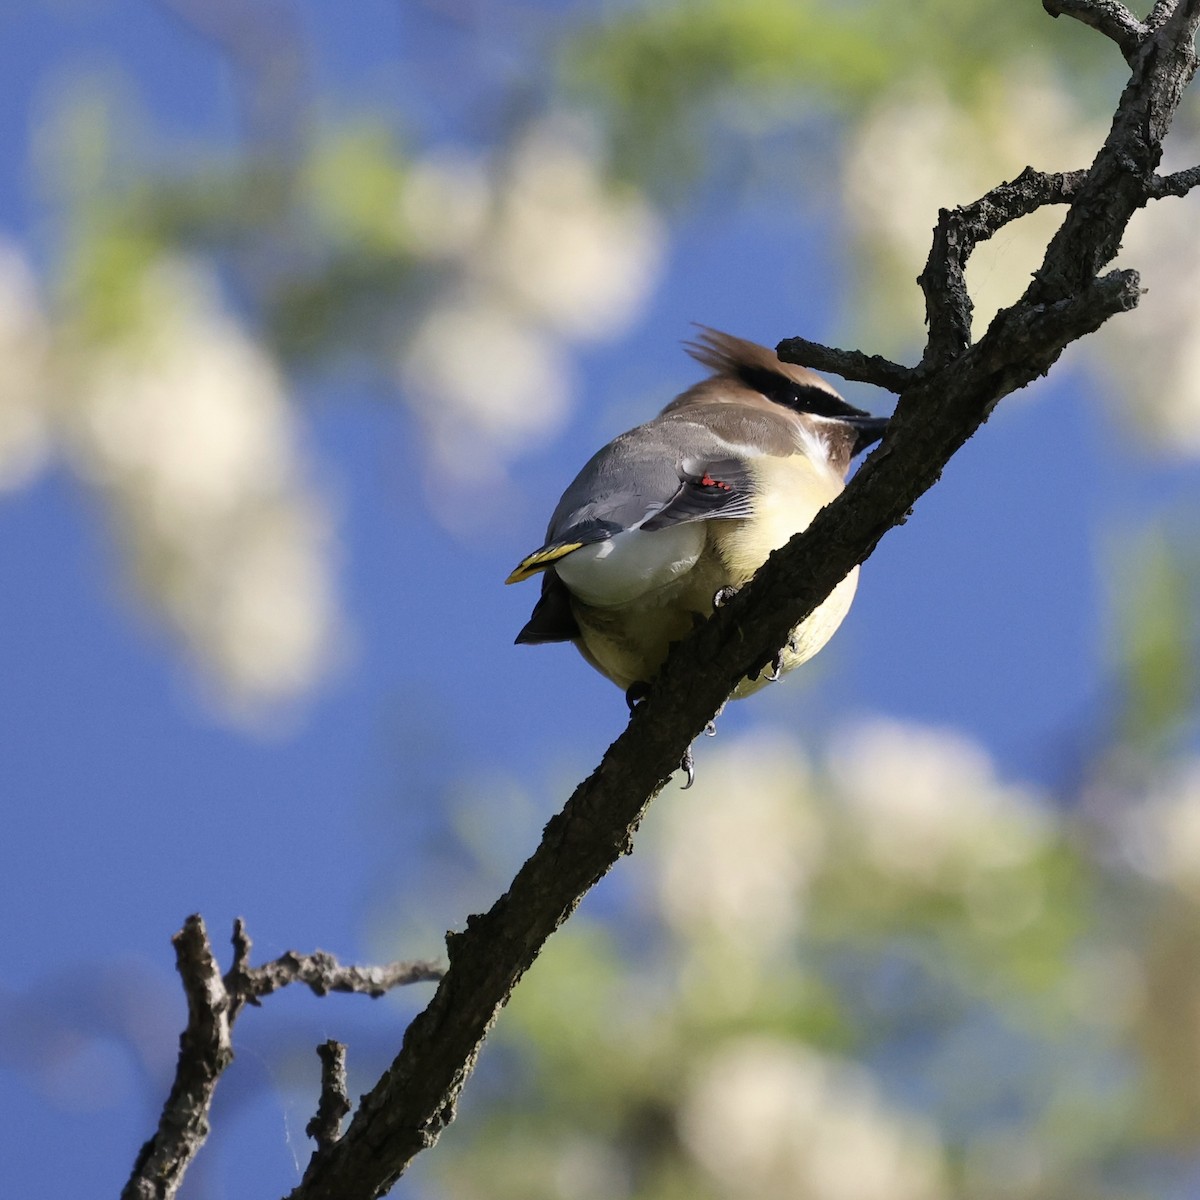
{"x":670,"y":517}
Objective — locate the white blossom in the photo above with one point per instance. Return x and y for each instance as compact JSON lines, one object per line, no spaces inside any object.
{"x":581,"y":258}
{"x":928,"y":805}
{"x":921,"y":150}
{"x":1153,"y":352}
{"x":738,"y":851}
{"x":1160,"y":835}
{"x":485,"y":383}
{"x":182,"y":423}
{"x":536,"y":253}
{"x":771,"y":1118}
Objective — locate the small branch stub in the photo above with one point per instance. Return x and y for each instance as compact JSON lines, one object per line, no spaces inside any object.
{"x":1178,"y":184}
{"x":326,"y":1126}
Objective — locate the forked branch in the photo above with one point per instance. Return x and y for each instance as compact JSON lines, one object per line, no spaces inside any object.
{"x":206,"y":1045}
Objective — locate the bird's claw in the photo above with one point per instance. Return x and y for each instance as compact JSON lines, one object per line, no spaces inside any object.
{"x":635,"y":693}
{"x":723,"y":596}
{"x":776,"y":669}
{"x":687,"y":764}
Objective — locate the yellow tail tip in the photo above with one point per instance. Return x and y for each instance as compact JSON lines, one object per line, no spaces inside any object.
{"x":539,"y":560}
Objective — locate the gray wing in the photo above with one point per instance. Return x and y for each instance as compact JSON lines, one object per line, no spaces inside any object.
{"x":672,"y":469}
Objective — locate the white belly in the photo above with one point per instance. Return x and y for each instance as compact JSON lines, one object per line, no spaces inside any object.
{"x":632,"y":564}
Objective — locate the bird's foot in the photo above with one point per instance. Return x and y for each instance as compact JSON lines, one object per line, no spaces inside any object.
{"x":687,"y":764}
{"x":635,"y":693}
{"x":710,"y":730}
{"x":723,"y":596}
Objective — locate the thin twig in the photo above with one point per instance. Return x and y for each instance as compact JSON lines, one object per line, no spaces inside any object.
{"x":324,"y":974}
{"x":848,"y":364}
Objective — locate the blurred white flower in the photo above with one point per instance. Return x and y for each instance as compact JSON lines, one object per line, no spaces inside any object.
{"x":922,"y":151}
{"x":928,"y":806}
{"x":739,"y":849}
{"x":24,"y":386}
{"x":582,"y":259}
{"x":1153,"y":352}
{"x":1160,"y":837}
{"x":485,"y":383}
{"x":537,"y":252}
{"x":771,"y":1118}
{"x":183,"y":424}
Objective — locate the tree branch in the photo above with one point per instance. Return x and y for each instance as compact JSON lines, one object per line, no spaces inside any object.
{"x":948,"y":306}
{"x":1177,"y":184}
{"x":953,"y":392}
{"x":1113,"y":20}
{"x":206,"y":1045}
{"x":414,"y":1101}
{"x":849,"y":364}
{"x":324,"y":974}
{"x":205,"y":1050}
{"x":1120,"y":180}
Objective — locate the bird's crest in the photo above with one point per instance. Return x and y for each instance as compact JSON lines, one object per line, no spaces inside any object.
{"x":757,"y":367}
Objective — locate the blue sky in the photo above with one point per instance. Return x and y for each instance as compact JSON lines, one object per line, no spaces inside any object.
{"x":130,"y":804}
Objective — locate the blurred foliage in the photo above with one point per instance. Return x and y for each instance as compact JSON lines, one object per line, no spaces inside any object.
{"x":318,"y":248}
{"x":664,"y":74}
{"x":1020,"y":1039}
{"x":1157,"y":596}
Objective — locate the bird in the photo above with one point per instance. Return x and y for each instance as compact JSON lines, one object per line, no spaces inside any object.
{"x":670,"y":519}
